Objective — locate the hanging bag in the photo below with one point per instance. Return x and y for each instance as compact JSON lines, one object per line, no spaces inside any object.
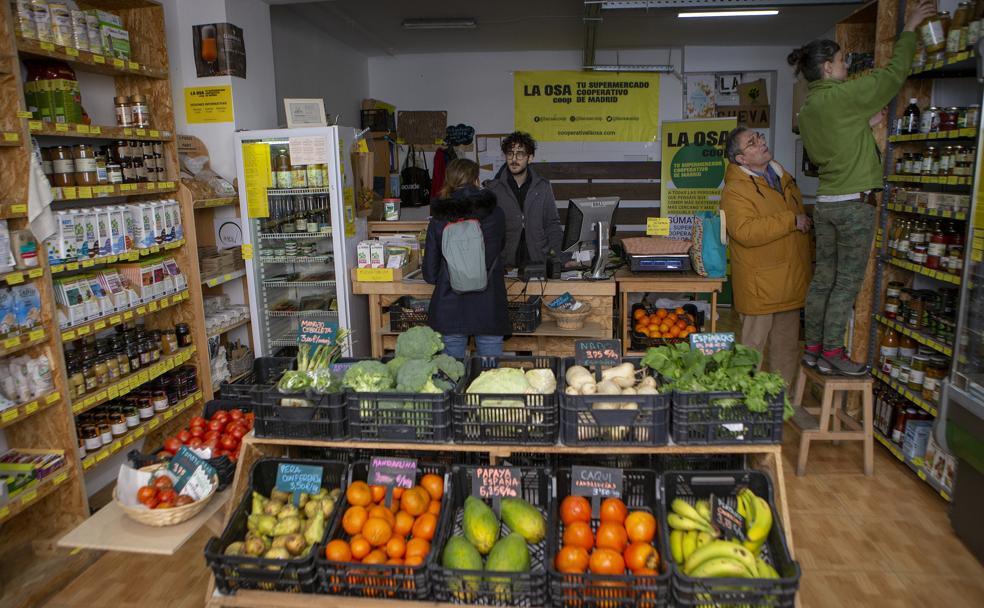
{"x":415,"y":182}
{"x":710,"y":241}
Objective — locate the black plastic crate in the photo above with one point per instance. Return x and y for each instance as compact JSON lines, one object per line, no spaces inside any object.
{"x":532,"y":420}
{"x":689,"y":591}
{"x":698,"y":419}
{"x":525,"y":316}
{"x":589,"y":590}
{"x":326,"y":417}
{"x":522,"y":589}
{"x":291,"y":575}
{"x":383,"y":580}
{"x":698,"y":462}
{"x":639,"y":341}
{"x":266,"y":372}
{"x":408,"y":312}
{"x":612,"y":461}
{"x":582,"y":424}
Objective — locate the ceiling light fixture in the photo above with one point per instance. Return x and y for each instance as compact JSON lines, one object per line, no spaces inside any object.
{"x":439,"y":24}
{"x":707,"y":14}
{"x":665,"y":69}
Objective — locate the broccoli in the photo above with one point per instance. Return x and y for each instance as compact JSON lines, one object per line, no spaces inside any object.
{"x":394,"y":365}
{"x":368,"y":377}
{"x":415,"y":377}
{"x":449,"y":365}
{"x":419,"y":342}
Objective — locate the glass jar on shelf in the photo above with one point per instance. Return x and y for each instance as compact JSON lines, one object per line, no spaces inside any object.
{"x":936,"y":249}
{"x":929,"y":121}
{"x":888,"y":349}
{"x":907,"y":347}
{"x":932,"y":383}
{"x":931,"y":161}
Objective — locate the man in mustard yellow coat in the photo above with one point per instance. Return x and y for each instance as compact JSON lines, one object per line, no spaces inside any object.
{"x":768,"y":235}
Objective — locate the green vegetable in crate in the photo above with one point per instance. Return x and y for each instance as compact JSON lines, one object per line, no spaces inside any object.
{"x":508,"y":555}
{"x":419,"y":342}
{"x":415,"y":377}
{"x":278,"y":529}
{"x":368,"y":377}
{"x":313,"y":361}
{"x":460,"y":554}
{"x":524,"y":519}
{"x":480,"y":525}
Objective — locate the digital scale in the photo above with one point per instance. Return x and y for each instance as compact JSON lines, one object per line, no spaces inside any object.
{"x":659,"y":262}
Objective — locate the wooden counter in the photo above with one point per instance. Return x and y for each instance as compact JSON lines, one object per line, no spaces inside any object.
{"x":548,"y":339}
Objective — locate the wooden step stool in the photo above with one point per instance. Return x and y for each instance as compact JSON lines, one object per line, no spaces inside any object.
{"x":831,"y":410}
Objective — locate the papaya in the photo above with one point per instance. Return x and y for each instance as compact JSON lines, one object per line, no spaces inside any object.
{"x":508,"y":555}
{"x":460,"y":554}
{"x":480,"y":525}
{"x":522,"y":517}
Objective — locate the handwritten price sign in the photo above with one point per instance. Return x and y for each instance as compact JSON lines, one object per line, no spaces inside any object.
{"x":314,"y":331}
{"x":298,"y":478}
{"x":710,"y":343}
{"x":501,"y":482}
{"x":598,"y":352}
{"x":596,"y":481}
{"x":392,"y":472}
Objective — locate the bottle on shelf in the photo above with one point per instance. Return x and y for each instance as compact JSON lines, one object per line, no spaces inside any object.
{"x":936,"y":250}
{"x":956,"y":39}
{"x":889,"y":348}
{"x":902,"y":242}
{"x":910,"y":118}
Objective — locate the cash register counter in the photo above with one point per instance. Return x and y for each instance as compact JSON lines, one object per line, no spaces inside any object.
{"x":608,"y":299}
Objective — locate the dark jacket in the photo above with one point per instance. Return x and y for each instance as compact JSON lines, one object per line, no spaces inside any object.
{"x":480,"y":313}
{"x":539,"y":216}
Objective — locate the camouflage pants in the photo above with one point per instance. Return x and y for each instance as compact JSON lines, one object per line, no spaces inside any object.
{"x":844,"y":233}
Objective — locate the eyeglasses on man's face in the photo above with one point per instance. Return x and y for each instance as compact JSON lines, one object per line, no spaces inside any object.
{"x":755,"y":140}
{"x":517,"y":154}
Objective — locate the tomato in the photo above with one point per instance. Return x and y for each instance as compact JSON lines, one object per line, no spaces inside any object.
{"x":249,"y":417}
{"x":184,"y":500}
{"x":606,"y":561}
{"x":238,"y":431}
{"x":152,"y":503}
{"x":197,"y":431}
{"x":163,"y":455}
{"x":172,"y":445}
{"x":167,"y":495}
{"x":221,"y":416}
{"x":196,"y":442}
{"x":229,"y":426}
{"x":211,"y":434}
{"x":571,"y":560}
{"x":197,"y":421}
{"x":228,"y":442}
{"x":216,"y":425}
{"x":211,"y":443}
{"x":640,"y":556}
{"x":184,"y":437}
{"x":164,"y":505}
{"x":163,"y":482}
{"x":613,"y":510}
{"x":640,"y":526}
{"x":575,"y":508}
{"x":236,"y":414}
{"x":146,"y":494}
{"x":232,"y":457}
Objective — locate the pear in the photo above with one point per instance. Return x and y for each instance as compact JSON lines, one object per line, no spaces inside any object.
{"x":258,"y":502}
{"x":277,"y":554}
{"x":335,"y":493}
{"x":327,"y":506}
{"x":279,"y":496}
{"x":288,"y":510}
{"x":321,"y":494}
{"x":235,"y":548}
{"x":272,"y":507}
{"x":254,"y":546}
{"x":265,"y":525}
{"x":263,"y":539}
{"x":294,"y":543}
{"x":288,"y":525}
{"x":303,"y":499}
{"x":315,"y":529}
{"x":311,"y":507}
{"x":279,"y":542}
{"x":252,"y":521}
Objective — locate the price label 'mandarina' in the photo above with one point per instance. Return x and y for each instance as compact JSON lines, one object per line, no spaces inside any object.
{"x":392,"y":472}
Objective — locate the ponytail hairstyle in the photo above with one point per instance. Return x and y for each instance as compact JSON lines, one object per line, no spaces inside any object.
{"x":460,"y":172}
{"x":808,"y":60}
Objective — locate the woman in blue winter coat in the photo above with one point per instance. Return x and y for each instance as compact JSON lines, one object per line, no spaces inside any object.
{"x":483,"y":313}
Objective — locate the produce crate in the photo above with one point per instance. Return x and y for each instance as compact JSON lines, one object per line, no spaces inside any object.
{"x":611,"y":591}
{"x":508,"y":589}
{"x":225,"y":468}
{"x":697,"y":462}
{"x":640,"y":342}
{"x":326,"y":418}
{"x":582,"y":424}
{"x":266,"y":372}
{"x":292,"y":575}
{"x":698,"y":419}
{"x":689,"y":591}
{"x":383,"y":580}
{"x":532,"y":419}
{"x":612,"y":461}
{"x":525,"y":317}
{"x":408,"y":312}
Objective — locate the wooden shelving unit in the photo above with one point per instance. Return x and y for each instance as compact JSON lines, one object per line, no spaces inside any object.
{"x":59,"y":503}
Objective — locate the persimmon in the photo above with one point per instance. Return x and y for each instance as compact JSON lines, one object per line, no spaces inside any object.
{"x":610,"y":536}
{"x":338,"y":551}
{"x":433,"y":484}
{"x":575,"y":508}
{"x":640,"y":527}
{"x":415,"y":501}
{"x":606,"y":561}
{"x":359,"y":494}
{"x":571,"y":560}
{"x":425,"y":526}
{"x":360,"y":548}
{"x":417,"y":546}
{"x":579,"y":534}
{"x":354,"y":519}
{"x":396,"y":547}
{"x":613,"y":510}
{"x":404,"y":523}
{"x":639,"y":556}
{"x":377,"y":531}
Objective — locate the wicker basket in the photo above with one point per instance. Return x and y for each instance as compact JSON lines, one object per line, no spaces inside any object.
{"x":164,"y":517}
{"x":570,"y":319}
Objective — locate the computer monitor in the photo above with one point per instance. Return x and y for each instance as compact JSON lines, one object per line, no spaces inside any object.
{"x":589,"y":220}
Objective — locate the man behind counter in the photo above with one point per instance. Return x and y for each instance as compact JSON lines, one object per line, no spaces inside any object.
{"x":532,"y":224}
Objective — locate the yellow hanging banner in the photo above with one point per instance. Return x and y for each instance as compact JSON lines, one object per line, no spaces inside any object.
{"x":587,"y":106}
{"x":256,"y":172}
{"x":208,"y":104}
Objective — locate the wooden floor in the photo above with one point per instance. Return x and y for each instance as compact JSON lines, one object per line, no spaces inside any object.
{"x":861,"y":541}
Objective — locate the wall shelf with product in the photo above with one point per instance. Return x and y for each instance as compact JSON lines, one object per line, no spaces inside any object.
{"x":929,"y":195}
{"x":107,"y":310}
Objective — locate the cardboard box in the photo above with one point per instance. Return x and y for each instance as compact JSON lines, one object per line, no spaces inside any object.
{"x":386,"y":275}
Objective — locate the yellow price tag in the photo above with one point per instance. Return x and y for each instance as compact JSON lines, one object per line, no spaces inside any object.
{"x":85,"y":191}
{"x":60,"y":478}
{"x":47,"y":46}
{"x":95,"y":130}
{"x":31,"y":407}
{"x":35,"y":334}
{"x":128,"y":315}
{"x":168,"y":414}
{"x":156,"y":422}
{"x":142,"y":132}
{"x":115,"y":319}
{"x":70,"y":193}
{"x":61,"y":127}
{"x":113,"y":392}
{"x":28,"y":496}
{"x":152,"y":307}
{"x":37,"y":272}
{"x":9,"y":415}
{"x":88,"y":263}
{"x":52,"y":398}
{"x":68,"y":335}
{"x":11,"y":342}
{"x":152,"y":185}
{"x":84,"y":330}
{"x":25,"y":114}
{"x":127,"y":131}
{"x":102,"y":455}
{"x":11,"y":136}
{"x":72,"y":265}
{"x":139,"y":433}
{"x":71,"y":52}
{"x":19,"y":208}
{"x":87,"y":463}
{"x":15,"y":278}
{"x":81,"y":128}
{"x":118,"y":63}
{"x":247,"y":251}
{"x":155,"y":133}
{"x":128,"y":440}
{"x":4,"y":512}
{"x":141,"y":310}
{"x":374,"y":275}
{"x":98,"y":59}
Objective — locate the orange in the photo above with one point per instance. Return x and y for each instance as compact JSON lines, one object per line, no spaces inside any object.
{"x":414,"y":560}
{"x":613,"y":510}
{"x":378,"y":556}
{"x":354,"y":519}
{"x":360,"y":548}
{"x":578,"y":534}
{"x":639,"y":313}
{"x":674,"y":331}
{"x":358,"y":494}
{"x":415,"y":501}
{"x":670,"y":319}
{"x":681,"y":324}
{"x":378,"y":493}
{"x":433,"y":484}
{"x":417,"y":547}
{"x":680,"y":311}
{"x":435,"y":507}
{"x":691,"y":329}
{"x":664,"y":328}
{"x":396,"y":547}
{"x":425,"y":526}
{"x":395,"y":561}
{"x":660,"y":313}
{"x":338,"y":551}
{"x":640,"y":527}
{"x":403,"y":525}
{"x":397,"y":493}
{"x":383,"y":513}
{"x":640,"y":328}
{"x":683,"y":334}
{"x":377,"y":531}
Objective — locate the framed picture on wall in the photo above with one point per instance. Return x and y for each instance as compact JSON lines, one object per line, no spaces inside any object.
{"x":305,"y":113}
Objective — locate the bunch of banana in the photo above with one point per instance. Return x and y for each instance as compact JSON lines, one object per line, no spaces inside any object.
{"x":758,"y":519}
{"x":698,"y":551}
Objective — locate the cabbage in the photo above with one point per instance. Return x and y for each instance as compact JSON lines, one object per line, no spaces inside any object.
{"x":501,"y":380}
{"x":542,"y":381}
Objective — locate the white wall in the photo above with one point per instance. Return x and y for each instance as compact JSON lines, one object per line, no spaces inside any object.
{"x":310,"y":64}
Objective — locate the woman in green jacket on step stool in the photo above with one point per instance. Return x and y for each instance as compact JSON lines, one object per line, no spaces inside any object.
{"x":835,"y":125}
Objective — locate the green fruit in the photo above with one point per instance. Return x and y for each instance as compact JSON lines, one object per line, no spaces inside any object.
{"x":315,"y":529}
{"x":235,"y":548}
{"x":522,"y":517}
{"x":258,"y":503}
{"x":480,"y":525}
{"x":460,"y":554}
{"x":265,"y":525}
{"x":508,"y":555}
{"x":282,"y":497}
{"x":289,"y":525}
{"x":288,"y":510}
{"x":676,"y":545}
